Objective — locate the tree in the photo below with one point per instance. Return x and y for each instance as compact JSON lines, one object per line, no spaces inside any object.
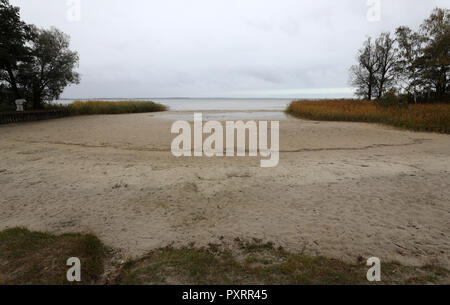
{"x":434,"y":64}
{"x":14,"y":35}
{"x":35,"y":64}
{"x":417,"y":62}
{"x":410,"y":45}
{"x":424,"y":57}
{"x":363,"y":75}
{"x":386,"y":59}
{"x":51,"y":67}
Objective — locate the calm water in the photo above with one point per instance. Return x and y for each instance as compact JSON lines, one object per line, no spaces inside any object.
{"x":215,"y":104}
{"x":224,"y":116}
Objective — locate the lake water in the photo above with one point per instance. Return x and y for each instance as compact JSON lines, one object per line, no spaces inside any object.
{"x":225,"y":116}
{"x":192,"y":104}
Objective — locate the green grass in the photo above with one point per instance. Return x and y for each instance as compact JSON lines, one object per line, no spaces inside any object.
{"x":259,"y":263}
{"x":40,"y":259}
{"x":103,"y":107}
{"x":426,"y":117}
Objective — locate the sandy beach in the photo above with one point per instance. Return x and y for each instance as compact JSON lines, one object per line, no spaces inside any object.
{"x":342,"y":190}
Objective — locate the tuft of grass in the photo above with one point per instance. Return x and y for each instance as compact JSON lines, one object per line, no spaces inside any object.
{"x":111,"y":107}
{"x":33,"y":258}
{"x":260,"y":263}
{"x":423,"y":117}
{"x":254,"y":246}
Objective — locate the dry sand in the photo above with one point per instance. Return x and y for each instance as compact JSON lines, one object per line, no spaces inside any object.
{"x":341,"y":190}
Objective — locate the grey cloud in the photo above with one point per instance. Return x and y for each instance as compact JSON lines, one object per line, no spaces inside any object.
{"x":148,"y":48}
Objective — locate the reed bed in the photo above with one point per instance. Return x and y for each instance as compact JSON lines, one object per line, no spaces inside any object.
{"x":421,"y":117}
{"x":111,"y":107}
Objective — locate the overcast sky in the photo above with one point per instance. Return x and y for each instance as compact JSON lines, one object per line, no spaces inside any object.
{"x":219,"y":48}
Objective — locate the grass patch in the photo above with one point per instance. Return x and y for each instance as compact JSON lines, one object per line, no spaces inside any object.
{"x":423,"y":117}
{"x":103,"y":107}
{"x":95,"y":107}
{"x":40,"y":258}
{"x":259,"y":263}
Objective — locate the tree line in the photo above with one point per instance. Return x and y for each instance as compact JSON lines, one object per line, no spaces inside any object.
{"x":407,"y":66}
{"x":35,"y":64}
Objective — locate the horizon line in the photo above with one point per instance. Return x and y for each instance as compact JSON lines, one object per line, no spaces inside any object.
{"x":197,"y":98}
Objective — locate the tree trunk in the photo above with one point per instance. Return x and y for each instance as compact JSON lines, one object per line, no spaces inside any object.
{"x":381,"y":84}
{"x":37,"y":103}
{"x":370,"y":87}
{"x":380,"y":91}
{"x":13,"y":83}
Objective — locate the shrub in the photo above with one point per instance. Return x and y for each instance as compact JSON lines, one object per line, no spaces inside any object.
{"x":425,"y":117}
{"x":392,"y":99}
{"x":110,"y":107}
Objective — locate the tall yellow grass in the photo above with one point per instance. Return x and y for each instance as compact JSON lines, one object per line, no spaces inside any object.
{"x":424,"y":117}
{"x":111,"y":107}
